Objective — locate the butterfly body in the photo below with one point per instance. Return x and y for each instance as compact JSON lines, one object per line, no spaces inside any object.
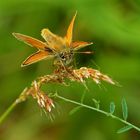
{"x":65,"y":56}
{"x":60,"y":48}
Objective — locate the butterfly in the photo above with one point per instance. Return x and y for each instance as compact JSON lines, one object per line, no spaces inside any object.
{"x":54,"y":46}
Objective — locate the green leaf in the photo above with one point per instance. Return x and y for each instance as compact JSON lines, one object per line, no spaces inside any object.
{"x":124,"y":129}
{"x":124,"y":109}
{"x":112,"y":107}
{"x":74,"y":110}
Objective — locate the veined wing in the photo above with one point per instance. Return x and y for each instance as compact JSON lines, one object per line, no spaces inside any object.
{"x":31,"y":41}
{"x":55,"y":42}
{"x":80,"y":44}
{"x":69,"y":34}
{"x":40,"y":55}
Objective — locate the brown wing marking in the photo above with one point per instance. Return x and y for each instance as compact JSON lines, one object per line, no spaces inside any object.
{"x":40,"y":55}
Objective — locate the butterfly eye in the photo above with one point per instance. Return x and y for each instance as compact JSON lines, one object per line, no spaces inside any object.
{"x":62,"y":55}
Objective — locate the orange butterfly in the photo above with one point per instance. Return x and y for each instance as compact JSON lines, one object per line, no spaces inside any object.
{"x":61,"y":48}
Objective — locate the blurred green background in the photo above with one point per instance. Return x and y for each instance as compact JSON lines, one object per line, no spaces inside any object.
{"x":113,"y":26}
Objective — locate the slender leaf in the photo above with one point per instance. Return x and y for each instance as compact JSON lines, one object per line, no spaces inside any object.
{"x":112,"y":107}
{"x":97,"y":103}
{"x":124,"y":109}
{"x":83,"y":97}
{"x":74,"y":110}
{"x":124,"y":129}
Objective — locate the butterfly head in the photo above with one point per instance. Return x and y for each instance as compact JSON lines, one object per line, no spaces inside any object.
{"x":65,"y":56}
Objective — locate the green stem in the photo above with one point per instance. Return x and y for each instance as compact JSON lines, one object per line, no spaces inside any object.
{"x":20,"y":99}
{"x":100,"y":111}
{"x":6,"y":113}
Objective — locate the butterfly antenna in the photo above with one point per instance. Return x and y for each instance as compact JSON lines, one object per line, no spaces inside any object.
{"x":86,"y":52}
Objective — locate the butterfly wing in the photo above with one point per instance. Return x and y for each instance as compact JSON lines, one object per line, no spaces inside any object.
{"x":69,"y":34}
{"x":80,"y":44}
{"x":40,"y":55}
{"x":31,"y":41}
{"x":56,"y":43}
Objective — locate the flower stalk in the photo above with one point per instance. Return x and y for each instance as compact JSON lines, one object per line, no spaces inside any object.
{"x":59,"y":76}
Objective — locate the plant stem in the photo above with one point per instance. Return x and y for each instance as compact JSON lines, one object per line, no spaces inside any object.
{"x":99,"y":110}
{"x":5,"y":114}
{"x":20,"y":99}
